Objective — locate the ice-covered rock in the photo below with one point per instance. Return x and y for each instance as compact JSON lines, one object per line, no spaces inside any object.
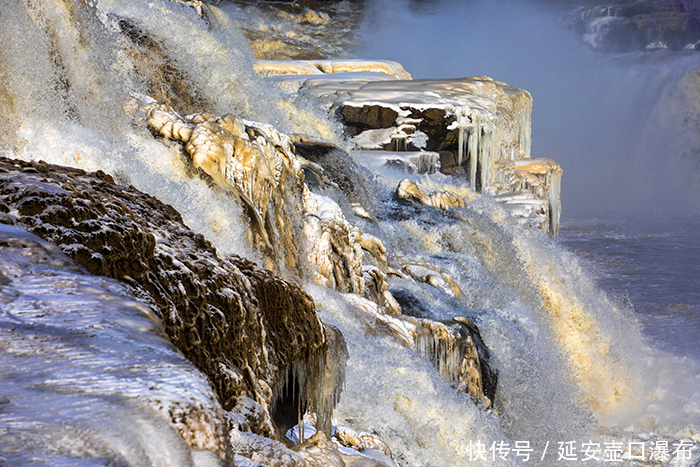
{"x":529,"y":189}
{"x":637,"y":25}
{"x":457,"y":350}
{"x":240,"y":324}
{"x":251,"y":449}
{"x":444,"y":200}
{"x":533,"y":185}
{"x":317,"y":67}
{"x":410,"y":162}
{"x":377,"y":290}
{"x":258,"y":165}
{"x":318,"y":451}
{"x":427,"y":274}
{"x":253,"y":161}
{"x":455,"y":347}
{"x":479,"y":119}
{"x":477,"y":125}
{"x":76,"y":350}
{"x":333,"y":245}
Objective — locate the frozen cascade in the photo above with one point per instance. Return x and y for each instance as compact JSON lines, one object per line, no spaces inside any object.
{"x":564,"y":374}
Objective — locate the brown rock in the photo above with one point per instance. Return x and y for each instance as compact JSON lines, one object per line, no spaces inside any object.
{"x":240,"y":324}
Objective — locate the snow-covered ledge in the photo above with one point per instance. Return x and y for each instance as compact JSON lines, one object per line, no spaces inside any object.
{"x":474,"y":127}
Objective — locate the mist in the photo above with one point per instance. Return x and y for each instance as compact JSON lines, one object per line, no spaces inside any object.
{"x":621,"y":126}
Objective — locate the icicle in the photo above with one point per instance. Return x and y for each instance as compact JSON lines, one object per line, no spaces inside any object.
{"x":460,"y":146}
{"x":474,"y":150}
{"x":486,"y":158}
{"x":489,"y":152}
{"x":554,"y":194}
{"x":453,"y":353}
{"x":462,"y":124}
{"x":313,"y":384}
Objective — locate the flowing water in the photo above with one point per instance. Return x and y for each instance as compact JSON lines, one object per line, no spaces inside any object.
{"x":595,"y":351}
{"x":650,"y":267}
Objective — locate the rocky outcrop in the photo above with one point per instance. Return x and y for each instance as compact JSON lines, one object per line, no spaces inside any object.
{"x":256,"y":164}
{"x":478,"y":119}
{"x":241,"y":325}
{"x":454,"y":346}
{"x":475,"y":128}
{"x":459,"y":353}
{"x":638,"y":25}
{"x":530,"y":197}
{"x":323,"y":67}
{"x":259,"y":167}
{"x":77,"y":349}
{"x":530,"y":189}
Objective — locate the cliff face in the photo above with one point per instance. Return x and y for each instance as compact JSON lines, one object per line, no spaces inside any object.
{"x":626,"y":26}
{"x":240,"y":324}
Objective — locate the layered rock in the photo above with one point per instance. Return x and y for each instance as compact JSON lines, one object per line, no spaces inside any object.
{"x":639,"y":24}
{"x":241,"y":325}
{"x":476,"y":127}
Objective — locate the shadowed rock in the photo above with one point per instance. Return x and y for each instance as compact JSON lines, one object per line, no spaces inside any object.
{"x":240,"y":324}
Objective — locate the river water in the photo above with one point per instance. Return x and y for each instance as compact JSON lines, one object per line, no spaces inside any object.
{"x":651,"y":267}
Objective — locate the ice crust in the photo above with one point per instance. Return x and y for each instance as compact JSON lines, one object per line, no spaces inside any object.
{"x":486,"y":121}
{"x":88,"y":351}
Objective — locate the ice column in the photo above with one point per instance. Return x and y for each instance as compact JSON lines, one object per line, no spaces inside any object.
{"x":554,"y":193}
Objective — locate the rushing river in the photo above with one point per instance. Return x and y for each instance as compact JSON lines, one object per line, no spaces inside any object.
{"x":651,"y":267}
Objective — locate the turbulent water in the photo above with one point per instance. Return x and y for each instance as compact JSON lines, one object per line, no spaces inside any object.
{"x":594,"y":362}
{"x":650,"y":267}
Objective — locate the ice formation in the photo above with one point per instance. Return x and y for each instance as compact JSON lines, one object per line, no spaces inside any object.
{"x":224,"y":313}
{"x":258,"y":165}
{"x":475,"y":124}
{"x":263,"y":175}
{"x":316,"y":67}
{"x":444,"y":200}
{"x":87,"y":350}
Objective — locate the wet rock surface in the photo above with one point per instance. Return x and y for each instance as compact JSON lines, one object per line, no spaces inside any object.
{"x":240,"y":324}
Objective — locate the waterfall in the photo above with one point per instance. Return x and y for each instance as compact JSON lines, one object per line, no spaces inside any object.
{"x":572,"y":363}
